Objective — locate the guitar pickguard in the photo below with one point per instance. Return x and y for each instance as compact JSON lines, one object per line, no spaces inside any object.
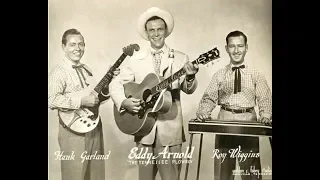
{"x":84,"y":120}
{"x":141,"y":123}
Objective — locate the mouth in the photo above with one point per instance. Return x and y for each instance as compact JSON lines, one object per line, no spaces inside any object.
{"x":77,"y":53}
{"x":156,"y":39}
{"x":237,"y":56}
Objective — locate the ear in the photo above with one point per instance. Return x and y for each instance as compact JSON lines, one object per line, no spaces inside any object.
{"x":247,"y":47}
{"x":226,"y":47}
{"x":63,"y":47}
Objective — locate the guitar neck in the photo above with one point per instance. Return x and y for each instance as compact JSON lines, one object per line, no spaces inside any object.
{"x":165,"y":83}
{"x":109,"y":75}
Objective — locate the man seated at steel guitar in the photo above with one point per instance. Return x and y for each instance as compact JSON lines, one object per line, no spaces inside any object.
{"x":237,"y":87}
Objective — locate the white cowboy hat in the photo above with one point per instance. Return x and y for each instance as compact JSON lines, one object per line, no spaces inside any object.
{"x":154,"y":11}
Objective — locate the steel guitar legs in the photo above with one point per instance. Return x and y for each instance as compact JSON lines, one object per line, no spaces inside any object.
{"x":200,"y":150}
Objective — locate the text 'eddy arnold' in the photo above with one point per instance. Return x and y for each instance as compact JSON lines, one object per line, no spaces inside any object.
{"x":143,"y":153}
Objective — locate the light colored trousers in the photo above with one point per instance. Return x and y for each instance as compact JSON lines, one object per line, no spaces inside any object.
{"x":89,"y":142}
{"x":169,"y":171}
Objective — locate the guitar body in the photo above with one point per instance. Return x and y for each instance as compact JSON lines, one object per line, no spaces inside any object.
{"x":82,"y":120}
{"x":132,"y":123}
{"x":141,"y":123}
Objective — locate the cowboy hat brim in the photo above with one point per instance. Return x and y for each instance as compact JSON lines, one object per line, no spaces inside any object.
{"x":154,"y":11}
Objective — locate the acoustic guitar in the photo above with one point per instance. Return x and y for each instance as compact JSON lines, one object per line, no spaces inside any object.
{"x":84,"y":120}
{"x":149,"y":90}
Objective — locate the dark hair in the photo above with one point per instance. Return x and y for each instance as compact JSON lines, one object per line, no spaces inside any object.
{"x":69,"y":32}
{"x":236,"y":34}
{"x":154,"y":18}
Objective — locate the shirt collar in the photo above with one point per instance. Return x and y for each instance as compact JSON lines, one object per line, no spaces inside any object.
{"x":230,"y":66}
{"x":164,"y":49}
{"x":68,"y":62}
{"x":144,"y":53}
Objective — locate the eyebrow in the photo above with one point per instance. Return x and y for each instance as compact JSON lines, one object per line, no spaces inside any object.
{"x":156,"y":28}
{"x":76,"y":42}
{"x":235,"y":44}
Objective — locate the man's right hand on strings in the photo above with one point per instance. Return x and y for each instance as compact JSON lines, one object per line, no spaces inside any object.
{"x":89,"y":101}
{"x":132,"y":104}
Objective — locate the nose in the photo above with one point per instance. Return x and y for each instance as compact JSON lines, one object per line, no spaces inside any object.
{"x":156,"y":33}
{"x":236,"y":50}
{"x":77,"y":47}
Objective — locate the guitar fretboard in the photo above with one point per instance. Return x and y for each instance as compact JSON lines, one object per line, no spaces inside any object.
{"x":108,"y":77}
{"x":202,"y":59}
{"x":165,"y":83}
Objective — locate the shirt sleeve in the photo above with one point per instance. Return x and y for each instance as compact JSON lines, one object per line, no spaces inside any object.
{"x":57,"y":98}
{"x":209,"y":99}
{"x":264,"y":97}
{"x":116,"y":88}
{"x":185,"y":86}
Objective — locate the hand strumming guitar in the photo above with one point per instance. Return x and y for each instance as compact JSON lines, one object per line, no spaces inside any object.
{"x":131,"y":104}
{"x":89,"y":101}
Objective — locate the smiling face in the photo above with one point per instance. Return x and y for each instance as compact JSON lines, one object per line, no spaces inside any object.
{"x":237,"y":49}
{"x":156,"y":32}
{"x":74,"y":47}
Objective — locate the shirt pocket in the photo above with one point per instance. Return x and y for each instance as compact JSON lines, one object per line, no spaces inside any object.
{"x":247,"y":83}
{"x":225,"y":87}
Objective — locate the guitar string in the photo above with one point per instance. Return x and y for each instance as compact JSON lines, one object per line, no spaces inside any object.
{"x":161,"y":94}
{"x":169,"y":80}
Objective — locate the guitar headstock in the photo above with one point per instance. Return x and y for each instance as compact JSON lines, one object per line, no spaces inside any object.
{"x":130,"y":49}
{"x":209,"y":56}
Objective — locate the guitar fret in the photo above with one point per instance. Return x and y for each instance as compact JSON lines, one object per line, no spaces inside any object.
{"x":100,"y":85}
{"x":202,"y":59}
{"x":165,"y":83}
{"x":107,"y":78}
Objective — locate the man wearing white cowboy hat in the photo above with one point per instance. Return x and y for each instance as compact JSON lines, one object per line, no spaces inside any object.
{"x":155,"y":25}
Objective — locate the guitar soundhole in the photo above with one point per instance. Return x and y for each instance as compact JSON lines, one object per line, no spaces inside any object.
{"x":148,"y":102}
{"x":146,"y":95}
{"x":140,"y":114}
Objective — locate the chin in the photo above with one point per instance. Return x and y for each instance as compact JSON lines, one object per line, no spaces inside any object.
{"x":238,"y":61}
{"x":75,"y":59}
{"x":159,"y":46}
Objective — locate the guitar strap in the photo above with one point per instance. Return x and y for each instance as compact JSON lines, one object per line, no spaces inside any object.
{"x":171,"y":57}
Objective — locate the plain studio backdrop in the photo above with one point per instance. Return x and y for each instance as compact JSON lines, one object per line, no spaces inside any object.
{"x":108,"y":26}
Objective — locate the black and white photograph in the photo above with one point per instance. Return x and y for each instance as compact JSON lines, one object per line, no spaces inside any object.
{"x":160,"y":90}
